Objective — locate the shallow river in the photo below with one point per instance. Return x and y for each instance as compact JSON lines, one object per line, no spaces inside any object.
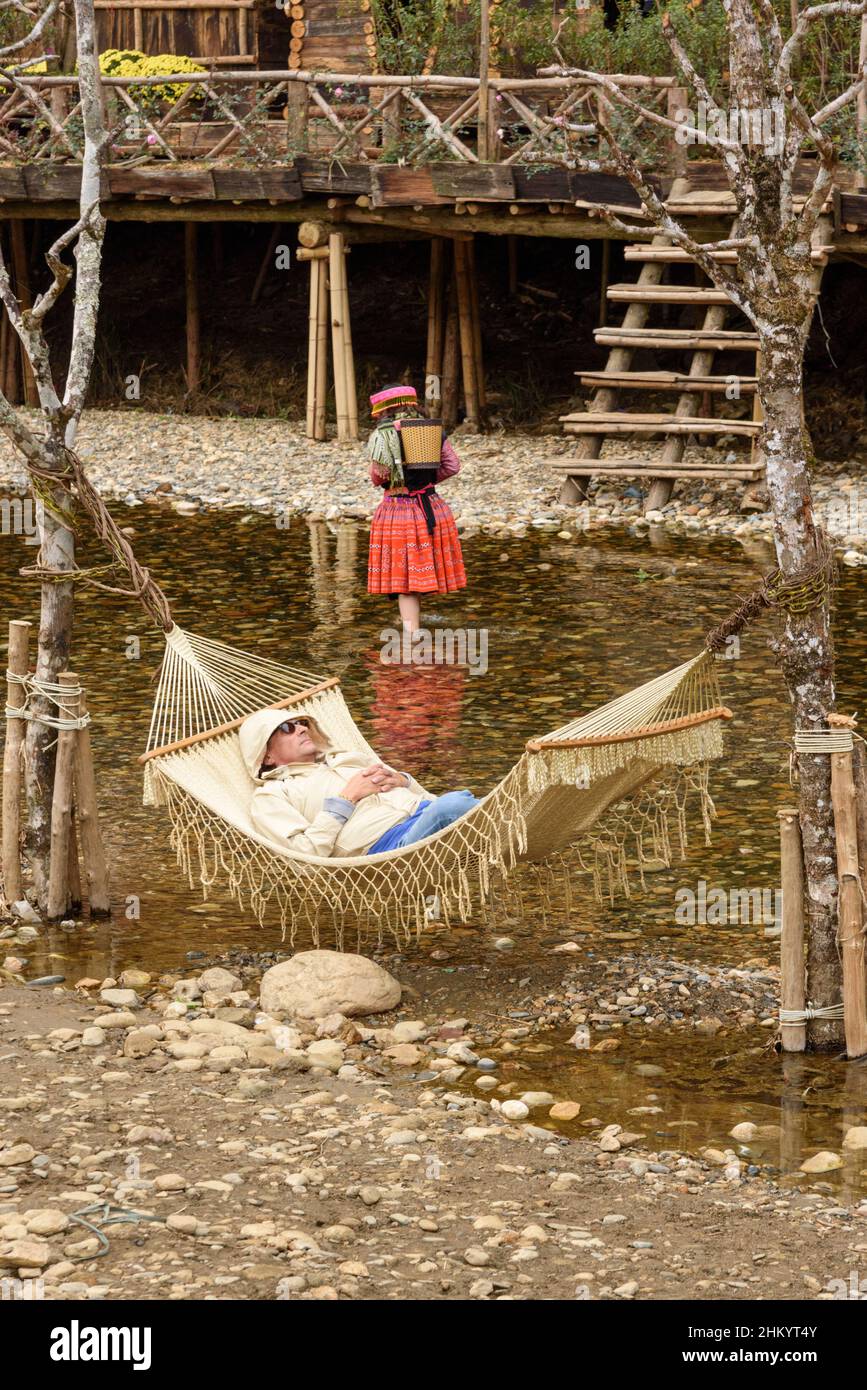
{"x":569,"y":625}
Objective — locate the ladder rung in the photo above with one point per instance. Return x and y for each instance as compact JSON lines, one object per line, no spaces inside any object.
{"x":714,"y":340}
{"x":629,"y":468}
{"x":666,"y":294}
{"x":606,"y":422}
{"x":665,"y":381}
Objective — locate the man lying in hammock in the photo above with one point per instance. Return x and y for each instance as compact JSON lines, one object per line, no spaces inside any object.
{"x":318,"y":799}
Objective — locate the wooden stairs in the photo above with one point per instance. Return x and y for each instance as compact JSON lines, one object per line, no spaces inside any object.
{"x":694,"y":388}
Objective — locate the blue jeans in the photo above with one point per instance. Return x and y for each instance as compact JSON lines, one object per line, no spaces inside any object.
{"x":440,"y":813}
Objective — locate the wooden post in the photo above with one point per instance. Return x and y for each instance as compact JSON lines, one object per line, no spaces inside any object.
{"x":792,"y":965}
{"x":191,"y":281}
{"x":477,"y":326}
{"x":677,"y":99}
{"x":450,"y":359}
{"x":349,"y":371}
{"x":297,"y":102}
{"x":338,"y":339}
{"x":22,"y":289}
{"x":850,"y":936}
{"x":62,"y":801}
{"x":433,"y":369}
{"x":465,"y":320}
{"x":484,"y":119}
{"x":17,"y":660}
{"x":74,"y":871}
{"x":92,"y":850}
{"x":317,"y":269}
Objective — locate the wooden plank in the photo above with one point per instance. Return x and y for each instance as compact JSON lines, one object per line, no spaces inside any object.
{"x":333,"y":175}
{"x":163,"y":183}
{"x":45,"y":183}
{"x":12,"y":183}
{"x":853,"y":209}
{"x":591,"y":189}
{"x":651,"y":470}
{"x":453,"y":179}
{"x":391,"y":186}
{"x":666,"y":381}
{"x":541,"y":185}
{"x":675,"y":255}
{"x":249,"y":185}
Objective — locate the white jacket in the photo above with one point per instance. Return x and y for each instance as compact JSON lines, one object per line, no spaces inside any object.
{"x":288,"y":804}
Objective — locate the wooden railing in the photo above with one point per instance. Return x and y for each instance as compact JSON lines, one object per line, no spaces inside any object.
{"x":271,"y":117}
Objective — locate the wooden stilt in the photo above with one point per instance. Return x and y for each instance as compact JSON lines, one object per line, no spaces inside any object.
{"x":61,"y":803}
{"x":316,"y":269}
{"x":92,"y":850}
{"x":850,"y":934}
{"x":338,"y":340}
{"x":433,"y":369}
{"x":22,"y":289}
{"x":792,"y":966}
{"x":191,"y":281}
{"x":451,"y":358}
{"x":477,"y":327}
{"x":18,"y":655}
{"x":217,"y":250}
{"x":465,"y":323}
{"x":351,"y":392}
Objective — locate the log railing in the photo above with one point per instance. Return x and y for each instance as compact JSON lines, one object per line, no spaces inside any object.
{"x":269,"y":117}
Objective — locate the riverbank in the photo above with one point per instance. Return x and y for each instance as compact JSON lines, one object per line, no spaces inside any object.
{"x":505,"y":487}
{"x":377,"y":1157}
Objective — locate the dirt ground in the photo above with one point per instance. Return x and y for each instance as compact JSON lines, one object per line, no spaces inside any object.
{"x":269,"y":1183}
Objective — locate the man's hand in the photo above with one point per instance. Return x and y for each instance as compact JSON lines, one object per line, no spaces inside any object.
{"x":370,"y":780}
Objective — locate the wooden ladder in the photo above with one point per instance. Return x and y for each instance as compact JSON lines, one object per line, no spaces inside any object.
{"x":697,"y":385}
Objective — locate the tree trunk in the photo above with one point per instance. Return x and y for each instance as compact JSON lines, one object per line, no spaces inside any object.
{"x":806,"y":655}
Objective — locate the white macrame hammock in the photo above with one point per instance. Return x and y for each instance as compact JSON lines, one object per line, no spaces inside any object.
{"x":606,"y":792}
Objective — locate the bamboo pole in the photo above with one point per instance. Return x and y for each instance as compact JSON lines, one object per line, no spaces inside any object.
{"x":22,"y":289}
{"x":450,"y":359}
{"x":321,"y":391}
{"x":191,"y":282}
{"x":465,"y":322}
{"x":850,"y":934}
{"x":484,"y":127}
{"x":861,"y":113}
{"x":477,"y":325}
{"x":349,"y":373}
{"x":338,"y":345}
{"x":17,"y":661}
{"x":62,"y":801}
{"x":792,"y":966}
{"x":316,"y":269}
{"x":433,"y":369}
{"x":92,"y":850}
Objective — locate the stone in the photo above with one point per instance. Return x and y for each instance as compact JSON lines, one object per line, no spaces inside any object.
{"x":744,"y":1132}
{"x":514,"y":1109}
{"x":399,"y":1137}
{"x":170,"y":1182}
{"x":46,"y":1221}
{"x":93,"y":1037}
{"x":135,"y":979}
{"x":316,"y":983}
{"x":476,"y":1256}
{"x":18,"y":1153}
{"x":119,"y":998}
{"x":325,"y":1053}
{"x":25,"y":1254}
{"x":370,"y":1195}
{"x":409,"y":1031}
{"x":533,"y":1099}
{"x":405,"y":1054}
{"x":627,"y":1290}
{"x":182,"y":1221}
{"x":565,"y":1110}
{"x":139,"y":1044}
{"x":856,"y":1137}
{"x":822,"y":1162}
{"x":218,"y":981}
{"x":121,"y":1019}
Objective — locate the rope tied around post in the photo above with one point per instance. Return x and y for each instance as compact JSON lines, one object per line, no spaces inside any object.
{"x":55,"y":694}
{"x":798,"y":594}
{"x":794,"y":1018}
{"x":74,"y":479}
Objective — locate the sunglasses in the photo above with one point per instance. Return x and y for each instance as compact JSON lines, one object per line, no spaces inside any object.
{"x":290,"y":725}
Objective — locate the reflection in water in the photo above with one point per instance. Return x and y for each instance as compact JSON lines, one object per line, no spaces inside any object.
{"x":415,"y":714}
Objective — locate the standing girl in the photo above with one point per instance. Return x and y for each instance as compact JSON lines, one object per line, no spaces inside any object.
{"x":414,"y":545}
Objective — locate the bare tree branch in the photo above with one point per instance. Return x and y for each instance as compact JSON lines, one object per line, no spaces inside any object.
{"x":35,"y":32}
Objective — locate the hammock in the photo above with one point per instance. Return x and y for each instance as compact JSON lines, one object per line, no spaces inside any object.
{"x":603,"y":792}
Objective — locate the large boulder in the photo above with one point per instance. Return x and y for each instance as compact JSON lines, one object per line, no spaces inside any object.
{"x":315,"y":983}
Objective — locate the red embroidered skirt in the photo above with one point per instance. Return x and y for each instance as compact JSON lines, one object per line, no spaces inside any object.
{"x":404,"y":558}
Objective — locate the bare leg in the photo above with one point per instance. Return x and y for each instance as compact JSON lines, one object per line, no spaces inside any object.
{"x":410,"y":611}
